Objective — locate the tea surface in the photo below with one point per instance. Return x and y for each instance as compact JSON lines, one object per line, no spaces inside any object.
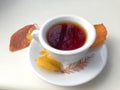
{"x":66,"y":36}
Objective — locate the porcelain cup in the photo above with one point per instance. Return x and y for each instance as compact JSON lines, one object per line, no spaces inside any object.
{"x":66,"y":57}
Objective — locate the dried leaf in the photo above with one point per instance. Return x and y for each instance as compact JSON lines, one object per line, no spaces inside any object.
{"x":46,"y":61}
{"x":101,"y":34}
{"x":19,"y":39}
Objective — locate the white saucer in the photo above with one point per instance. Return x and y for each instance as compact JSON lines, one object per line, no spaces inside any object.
{"x":93,"y":68}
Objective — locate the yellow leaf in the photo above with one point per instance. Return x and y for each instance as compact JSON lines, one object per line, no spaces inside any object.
{"x":46,"y":61}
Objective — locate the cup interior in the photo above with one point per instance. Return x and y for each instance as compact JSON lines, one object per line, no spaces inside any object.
{"x":89,"y":29}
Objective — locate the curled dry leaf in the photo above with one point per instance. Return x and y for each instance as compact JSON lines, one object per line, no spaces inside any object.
{"x":101,"y":34}
{"x":46,"y":61}
{"x":21,"y":38}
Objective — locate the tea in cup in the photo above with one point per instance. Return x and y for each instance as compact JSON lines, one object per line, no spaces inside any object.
{"x":66,"y":38}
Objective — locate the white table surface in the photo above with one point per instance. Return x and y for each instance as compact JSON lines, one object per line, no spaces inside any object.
{"x":15,"y":71}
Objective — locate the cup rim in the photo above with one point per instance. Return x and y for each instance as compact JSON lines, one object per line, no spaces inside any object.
{"x":88,"y":43}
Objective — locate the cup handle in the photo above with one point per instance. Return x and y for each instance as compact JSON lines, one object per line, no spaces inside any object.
{"x":35,"y":35}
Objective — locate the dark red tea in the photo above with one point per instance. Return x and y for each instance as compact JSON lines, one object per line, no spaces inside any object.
{"x":66,"y":36}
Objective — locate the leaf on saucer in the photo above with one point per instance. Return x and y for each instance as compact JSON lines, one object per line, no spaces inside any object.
{"x":46,"y":61}
{"x":21,"y":38}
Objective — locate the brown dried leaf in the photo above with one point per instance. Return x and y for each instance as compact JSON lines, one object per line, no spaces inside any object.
{"x":19,"y":40}
{"x":101,"y":34}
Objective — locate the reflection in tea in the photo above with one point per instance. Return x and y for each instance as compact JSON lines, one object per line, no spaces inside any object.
{"x":66,"y":36}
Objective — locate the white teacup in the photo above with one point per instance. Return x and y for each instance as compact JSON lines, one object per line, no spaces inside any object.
{"x":66,"y":57}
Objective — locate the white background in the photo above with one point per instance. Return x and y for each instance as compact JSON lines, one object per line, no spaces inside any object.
{"x":15,"y":72}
